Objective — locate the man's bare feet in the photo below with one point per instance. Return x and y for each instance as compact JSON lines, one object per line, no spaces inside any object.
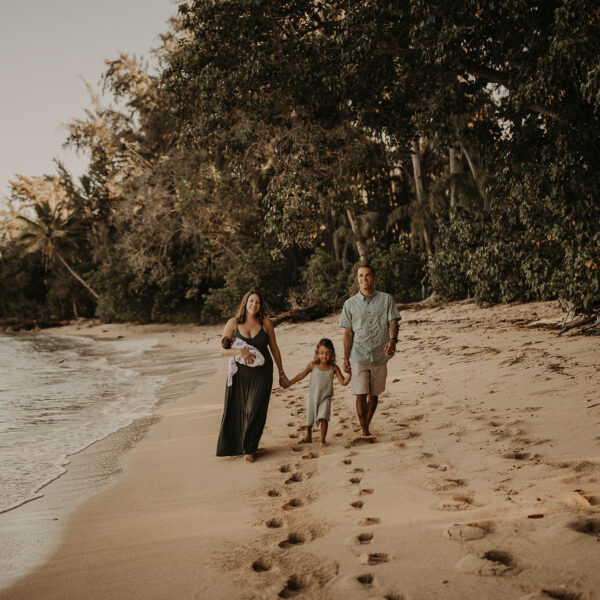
{"x":305,"y":440}
{"x":249,"y":457}
{"x":323,"y":443}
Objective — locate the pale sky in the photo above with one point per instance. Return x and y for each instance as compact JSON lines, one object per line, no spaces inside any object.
{"x":46,"y":48}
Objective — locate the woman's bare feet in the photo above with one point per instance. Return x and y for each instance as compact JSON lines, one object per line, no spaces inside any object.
{"x":249,"y":457}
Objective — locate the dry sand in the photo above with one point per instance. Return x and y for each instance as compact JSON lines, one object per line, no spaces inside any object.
{"x":482,"y":479}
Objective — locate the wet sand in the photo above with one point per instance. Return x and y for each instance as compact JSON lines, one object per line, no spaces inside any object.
{"x":482,"y":478}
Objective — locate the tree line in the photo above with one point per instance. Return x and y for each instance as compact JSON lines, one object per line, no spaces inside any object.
{"x":276,"y":144}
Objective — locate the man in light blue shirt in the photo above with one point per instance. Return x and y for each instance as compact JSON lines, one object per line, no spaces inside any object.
{"x":370,"y":322}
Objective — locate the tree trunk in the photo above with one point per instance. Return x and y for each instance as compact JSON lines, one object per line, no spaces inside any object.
{"x":419,"y":188}
{"x":417,"y":173}
{"x":83,"y":283}
{"x":360,"y":246}
{"x":454,"y":164}
{"x":476,"y":175}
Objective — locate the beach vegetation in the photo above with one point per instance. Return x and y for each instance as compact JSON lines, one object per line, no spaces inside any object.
{"x":274,"y":145}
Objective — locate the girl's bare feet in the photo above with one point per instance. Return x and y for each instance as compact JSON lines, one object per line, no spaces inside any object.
{"x":308,"y":437}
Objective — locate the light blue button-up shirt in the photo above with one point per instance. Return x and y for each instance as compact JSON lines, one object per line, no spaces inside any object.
{"x":369,"y":318}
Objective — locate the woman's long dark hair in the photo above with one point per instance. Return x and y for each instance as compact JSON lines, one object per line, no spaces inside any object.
{"x":241,"y":313}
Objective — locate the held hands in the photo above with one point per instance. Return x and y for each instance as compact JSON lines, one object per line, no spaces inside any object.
{"x":284,"y":382}
{"x":347,"y":367}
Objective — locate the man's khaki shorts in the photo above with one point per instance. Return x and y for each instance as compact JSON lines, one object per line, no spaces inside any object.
{"x":368,"y":379}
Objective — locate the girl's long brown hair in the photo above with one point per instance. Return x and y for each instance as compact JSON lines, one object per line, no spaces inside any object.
{"x":241,"y":313}
{"x":329,"y":345}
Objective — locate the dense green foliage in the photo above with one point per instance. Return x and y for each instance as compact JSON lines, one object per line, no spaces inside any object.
{"x":280,"y":142}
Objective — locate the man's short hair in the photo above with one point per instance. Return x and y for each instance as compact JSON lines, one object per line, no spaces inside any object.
{"x":367,"y":266}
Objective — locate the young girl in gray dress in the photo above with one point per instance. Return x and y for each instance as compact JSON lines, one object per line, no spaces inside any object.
{"x":322,"y":369}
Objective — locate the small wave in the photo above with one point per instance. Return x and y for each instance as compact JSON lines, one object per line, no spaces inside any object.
{"x":65,"y":394}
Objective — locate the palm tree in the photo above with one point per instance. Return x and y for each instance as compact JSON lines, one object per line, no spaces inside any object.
{"x":54,"y":235}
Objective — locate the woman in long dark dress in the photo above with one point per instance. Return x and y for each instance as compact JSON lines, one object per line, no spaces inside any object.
{"x":247,"y":398}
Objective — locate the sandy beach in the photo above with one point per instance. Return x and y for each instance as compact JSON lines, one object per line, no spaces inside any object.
{"x":481,"y":481}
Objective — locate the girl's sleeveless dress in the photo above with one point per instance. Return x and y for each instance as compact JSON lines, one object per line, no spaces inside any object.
{"x":246,"y":402}
{"x":320,"y":392}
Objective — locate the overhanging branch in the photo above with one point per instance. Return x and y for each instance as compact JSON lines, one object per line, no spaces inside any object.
{"x":494,"y":76}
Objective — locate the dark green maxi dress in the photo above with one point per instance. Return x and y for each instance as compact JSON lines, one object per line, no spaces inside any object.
{"x":246,"y":402}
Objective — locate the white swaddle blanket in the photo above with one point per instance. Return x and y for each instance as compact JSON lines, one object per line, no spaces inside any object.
{"x":259,"y":359}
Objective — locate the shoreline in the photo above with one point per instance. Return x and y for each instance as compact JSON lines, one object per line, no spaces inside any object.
{"x":85,"y":472}
{"x":482,"y":479}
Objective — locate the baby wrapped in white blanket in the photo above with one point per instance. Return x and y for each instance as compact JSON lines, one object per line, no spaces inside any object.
{"x":259,"y":359}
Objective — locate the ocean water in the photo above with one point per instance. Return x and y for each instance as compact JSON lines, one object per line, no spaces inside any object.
{"x":58,"y":395}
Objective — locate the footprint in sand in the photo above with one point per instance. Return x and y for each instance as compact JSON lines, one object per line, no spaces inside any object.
{"x":294,"y":539}
{"x":296,"y":477}
{"x":296,"y":448}
{"x":293,"y":503}
{"x":465,"y":532}
{"x":587,"y":526}
{"x":293,"y":585}
{"x":366,"y":579}
{"x":437,"y":467}
{"x":591,"y":499}
{"x":261,"y":565}
{"x":293,"y":435}
{"x":361,"y":441}
{"x":358,"y":504}
{"x":355,"y":480}
{"x":273,"y":493}
{"x":358,"y":470}
{"x":374,"y":558}
{"x":492,"y":563}
{"x":516,"y":455}
{"x":347,"y":461}
{"x":339,"y":434}
{"x":457,"y":503}
{"x":557,"y":594}
{"x":366,"y":491}
{"x":440,"y":485}
{"x":274,"y":523}
{"x":284,"y":469}
{"x":364,"y":538}
{"x":370,"y":521}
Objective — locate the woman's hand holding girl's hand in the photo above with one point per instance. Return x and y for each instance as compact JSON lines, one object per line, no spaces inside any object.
{"x":247,"y":356}
{"x":284,"y":382}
